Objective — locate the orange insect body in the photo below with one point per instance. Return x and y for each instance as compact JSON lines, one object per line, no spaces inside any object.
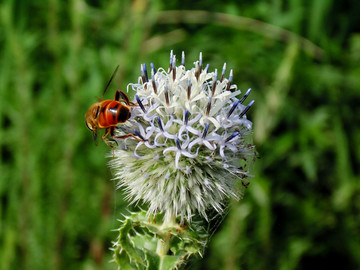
{"x":107,"y":114}
{"x":112,"y":113}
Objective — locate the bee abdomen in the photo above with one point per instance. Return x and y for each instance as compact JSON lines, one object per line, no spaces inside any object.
{"x":113,"y":113}
{"x":123,"y":114}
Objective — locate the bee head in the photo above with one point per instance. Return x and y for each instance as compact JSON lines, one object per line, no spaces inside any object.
{"x":91,"y":118}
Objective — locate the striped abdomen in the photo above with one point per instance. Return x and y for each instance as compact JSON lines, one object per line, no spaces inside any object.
{"x":113,"y":113}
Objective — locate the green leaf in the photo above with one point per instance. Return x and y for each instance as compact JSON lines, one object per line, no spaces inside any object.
{"x":150,"y":243}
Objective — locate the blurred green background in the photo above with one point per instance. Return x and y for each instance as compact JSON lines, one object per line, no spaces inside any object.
{"x":301,"y":58}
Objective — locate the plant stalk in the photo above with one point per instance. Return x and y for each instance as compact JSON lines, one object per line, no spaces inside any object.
{"x":163,"y":245}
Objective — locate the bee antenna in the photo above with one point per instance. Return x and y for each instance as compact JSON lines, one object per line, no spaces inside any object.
{"x":112,"y":77}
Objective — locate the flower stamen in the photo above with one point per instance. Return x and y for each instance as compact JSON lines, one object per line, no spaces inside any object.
{"x":246,"y":108}
{"x":154,"y":86}
{"x":153,"y":70}
{"x":232,"y":136}
{"x":205,"y":130}
{"x":206,"y":69}
{"x":199,"y":68}
{"x":140,"y":103}
{"x":144,"y":74}
{"x":171,"y":59}
{"x":245,"y":96}
{"x":158,"y":119}
{"x":230,"y":80}
{"x":208,"y":107}
{"x":186,"y":117}
{"x":166,"y":93}
{"x":223,"y":72}
{"x":178,"y":144}
{"x":188,"y":89}
{"x":214,"y":80}
{"x":233,"y":108}
{"x":173,"y":68}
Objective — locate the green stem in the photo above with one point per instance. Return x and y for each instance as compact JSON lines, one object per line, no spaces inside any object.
{"x":163,"y":245}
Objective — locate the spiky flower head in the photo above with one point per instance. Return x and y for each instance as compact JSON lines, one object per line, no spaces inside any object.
{"x":194,"y":143}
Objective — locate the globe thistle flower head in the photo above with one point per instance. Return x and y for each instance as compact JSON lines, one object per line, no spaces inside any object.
{"x":194,"y":143}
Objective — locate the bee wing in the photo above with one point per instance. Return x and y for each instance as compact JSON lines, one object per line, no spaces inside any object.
{"x":112,"y":77}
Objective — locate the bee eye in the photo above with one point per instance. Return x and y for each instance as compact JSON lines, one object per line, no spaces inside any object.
{"x":96,"y":112}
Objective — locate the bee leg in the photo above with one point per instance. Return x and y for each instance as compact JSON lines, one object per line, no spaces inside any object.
{"x":112,"y":134}
{"x":107,"y":140}
{"x":127,"y":136}
{"x":121,"y":96}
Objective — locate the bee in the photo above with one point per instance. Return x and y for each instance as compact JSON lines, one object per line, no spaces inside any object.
{"x":107,"y":114}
